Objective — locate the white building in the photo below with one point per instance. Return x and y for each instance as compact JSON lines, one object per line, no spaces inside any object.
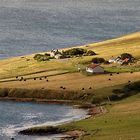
{"x":56,"y":54}
{"x":95,"y":68}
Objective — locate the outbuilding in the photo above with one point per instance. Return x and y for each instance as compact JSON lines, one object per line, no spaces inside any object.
{"x":95,"y":68}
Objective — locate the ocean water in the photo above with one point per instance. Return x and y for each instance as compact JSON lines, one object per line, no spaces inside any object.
{"x":29,"y":26}
{"x":15,"y":116}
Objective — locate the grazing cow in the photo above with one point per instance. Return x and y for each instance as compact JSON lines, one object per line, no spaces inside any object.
{"x":90,"y":87}
{"x":109,"y":79}
{"x":83,"y":89}
{"x":34,"y":78}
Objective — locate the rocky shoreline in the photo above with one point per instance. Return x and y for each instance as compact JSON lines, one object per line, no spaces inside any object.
{"x":65,"y":134}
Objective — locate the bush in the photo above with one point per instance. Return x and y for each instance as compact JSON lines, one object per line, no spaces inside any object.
{"x":126,"y":55}
{"x":98,"y":60}
{"x":38,"y":56}
{"x":74,"y":51}
{"x":41,"y":57}
{"x":90,"y":53}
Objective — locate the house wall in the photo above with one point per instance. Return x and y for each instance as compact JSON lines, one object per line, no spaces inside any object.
{"x":95,"y":70}
{"x":98,"y":70}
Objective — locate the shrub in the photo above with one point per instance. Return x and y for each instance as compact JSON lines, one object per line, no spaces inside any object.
{"x":98,"y":60}
{"x":41,"y":57}
{"x":37,"y":56}
{"x":74,"y":51}
{"x":90,"y":53}
{"x":126,"y":55}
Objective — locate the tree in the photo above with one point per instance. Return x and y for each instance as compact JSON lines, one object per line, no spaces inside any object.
{"x":74,"y":51}
{"x":98,"y":60}
{"x":126,"y":55}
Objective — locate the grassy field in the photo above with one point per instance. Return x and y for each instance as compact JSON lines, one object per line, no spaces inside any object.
{"x":27,"y":65}
{"x":122,"y":119}
{"x":121,"y":122}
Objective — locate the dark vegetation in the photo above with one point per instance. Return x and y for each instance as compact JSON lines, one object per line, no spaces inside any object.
{"x":45,"y":94}
{"x":74,"y":52}
{"x":116,"y":93}
{"x":126,"y":91}
{"x":126,"y":55}
{"x":46,"y":130}
{"x":98,"y":60}
{"x":42,"y":57}
{"x":78,"y":52}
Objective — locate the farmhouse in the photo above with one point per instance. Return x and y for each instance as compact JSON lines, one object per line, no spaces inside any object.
{"x":94,"y":68}
{"x":56,"y":54}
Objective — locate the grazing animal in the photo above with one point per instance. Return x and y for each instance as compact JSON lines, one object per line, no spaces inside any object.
{"x":64,"y":88}
{"x":129,"y":81}
{"x":45,"y":77}
{"x":16,"y":77}
{"x":83,"y":89}
{"x":109,"y":79}
{"x":111,"y":74}
{"x":118,"y":73}
{"x":131,"y":72}
{"x":90,"y":87}
{"x":47,"y":80}
{"x":34,"y":78}
{"x":40,"y":78}
{"x":61,"y":86}
{"x":24,"y":79}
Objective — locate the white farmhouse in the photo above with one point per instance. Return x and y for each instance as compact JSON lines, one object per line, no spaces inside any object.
{"x":56,"y":54}
{"x":95,"y":68}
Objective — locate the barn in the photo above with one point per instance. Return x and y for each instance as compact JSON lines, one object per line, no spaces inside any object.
{"x":95,"y":68}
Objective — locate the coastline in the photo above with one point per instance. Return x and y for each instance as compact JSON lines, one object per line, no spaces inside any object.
{"x":91,"y":110}
{"x":64,"y":134}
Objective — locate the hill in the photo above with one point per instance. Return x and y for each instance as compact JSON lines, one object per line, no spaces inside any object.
{"x":23,"y":78}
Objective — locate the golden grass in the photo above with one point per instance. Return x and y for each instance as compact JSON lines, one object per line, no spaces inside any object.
{"x":75,"y":81}
{"x":19,"y":66}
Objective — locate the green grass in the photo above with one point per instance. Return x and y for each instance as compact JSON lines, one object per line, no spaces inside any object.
{"x":114,"y":125}
{"x":121,"y":120}
{"x":123,"y":69}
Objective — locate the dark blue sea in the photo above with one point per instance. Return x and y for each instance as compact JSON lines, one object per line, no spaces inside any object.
{"x":29,"y":26}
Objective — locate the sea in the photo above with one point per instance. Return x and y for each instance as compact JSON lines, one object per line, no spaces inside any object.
{"x":17,"y":116}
